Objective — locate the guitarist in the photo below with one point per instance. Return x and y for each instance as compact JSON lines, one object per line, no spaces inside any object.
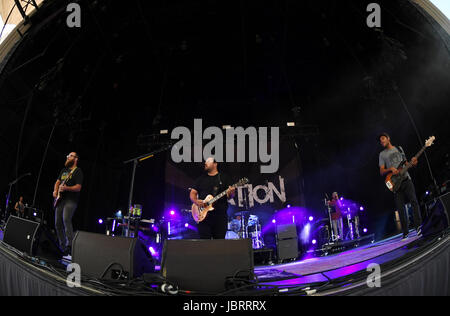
{"x":215,"y":225}
{"x":68,"y":186}
{"x":390,"y":160}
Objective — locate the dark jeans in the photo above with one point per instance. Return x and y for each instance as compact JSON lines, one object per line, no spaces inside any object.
{"x":406,"y":194}
{"x":214,"y":226}
{"x":63,"y":222}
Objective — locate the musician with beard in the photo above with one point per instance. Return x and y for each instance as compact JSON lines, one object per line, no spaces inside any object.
{"x":212,"y":183}
{"x":68,"y":203}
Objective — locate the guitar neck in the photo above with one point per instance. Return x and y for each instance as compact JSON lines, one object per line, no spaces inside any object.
{"x":417,"y":156}
{"x":219,"y":196}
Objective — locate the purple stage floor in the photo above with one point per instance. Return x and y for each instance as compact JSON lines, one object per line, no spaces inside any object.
{"x":321,"y":269}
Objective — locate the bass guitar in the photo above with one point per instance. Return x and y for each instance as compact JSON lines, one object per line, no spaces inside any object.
{"x":199,"y":213}
{"x":393,"y":182}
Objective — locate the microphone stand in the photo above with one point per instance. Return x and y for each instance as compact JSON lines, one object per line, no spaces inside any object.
{"x":329,"y":217}
{"x":135,"y":162}
{"x":10,"y":188}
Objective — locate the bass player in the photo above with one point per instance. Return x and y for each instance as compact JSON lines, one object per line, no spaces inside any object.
{"x":390,"y":160}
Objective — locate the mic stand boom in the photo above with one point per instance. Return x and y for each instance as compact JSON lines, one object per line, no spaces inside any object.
{"x":8,"y":197}
{"x":135,"y":162}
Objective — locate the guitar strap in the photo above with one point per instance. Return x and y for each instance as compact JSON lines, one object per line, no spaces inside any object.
{"x":70,"y":175}
{"x":400,"y":149}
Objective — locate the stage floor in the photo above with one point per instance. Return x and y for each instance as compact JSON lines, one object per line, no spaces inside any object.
{"x":323,"y":269}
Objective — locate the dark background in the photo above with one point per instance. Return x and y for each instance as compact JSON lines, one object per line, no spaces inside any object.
{"x":136,"y":67}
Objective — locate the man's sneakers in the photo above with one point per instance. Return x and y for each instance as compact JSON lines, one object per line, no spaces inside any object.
{"x":419,"y":232}
{"x":68,"y":252}
{"x":405,"y":237}
{"x":67,"y":258}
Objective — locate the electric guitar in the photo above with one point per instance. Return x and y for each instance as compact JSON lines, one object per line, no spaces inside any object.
{"x":199,"y":213}
{"x":393,"y":182}
{"x":58,"y":198}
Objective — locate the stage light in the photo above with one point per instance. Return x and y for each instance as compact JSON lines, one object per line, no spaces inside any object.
{"x":186,"y":225}
{"x":288,"y":206}
{"x":314,"y":242}
{"x":311,"y":218}
{"x":342,"y":199}
{"x":164,"y":131}
{"x":100,"y":221}
{"x":304,"y":235}
{"x":274,"y":221}
{"x":291,"y":124}
{"x":152,"y":251}
{"x":172,"y":212}
{"x":361,"y":208}
{"x":427,"y":193}
{"x":34,"y":214}
{"x":365,"y":230}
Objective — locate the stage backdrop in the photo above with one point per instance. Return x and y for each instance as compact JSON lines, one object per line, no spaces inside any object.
{"x":262,"y":196}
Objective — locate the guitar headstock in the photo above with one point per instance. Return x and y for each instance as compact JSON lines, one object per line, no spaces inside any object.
{"x":242,"y":182}
{"x":430,"y":141}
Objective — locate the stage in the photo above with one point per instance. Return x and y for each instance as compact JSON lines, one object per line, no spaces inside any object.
{"x":340,"y":273}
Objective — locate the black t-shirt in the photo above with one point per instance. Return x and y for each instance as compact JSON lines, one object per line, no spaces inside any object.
{"x":76,"y":178}
{"x":214,"y":185}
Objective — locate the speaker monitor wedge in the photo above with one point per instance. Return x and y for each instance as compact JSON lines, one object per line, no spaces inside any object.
{"x":31,"y":238}
{"x":438,"y":216}
{"x":204,"y":265}
{"x":102,"y":256}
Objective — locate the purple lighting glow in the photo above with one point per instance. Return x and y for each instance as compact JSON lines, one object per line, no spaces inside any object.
{"x":365,"y":230}
{"x":314,"y":242}
{"x":274,"y":221}
{"x":311,"y":218}
{"x":100,"y":221}
{"x":186,"y":225}
{"x":172,"y":212}
{"x":361,"y":208}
